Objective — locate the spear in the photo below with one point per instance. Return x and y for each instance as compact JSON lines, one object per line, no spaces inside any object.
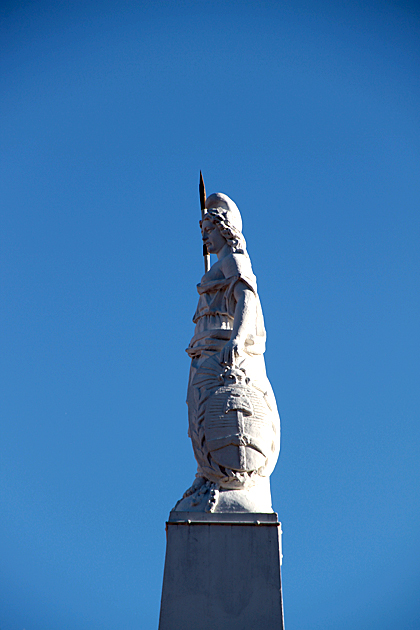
{"x":202,"y":191}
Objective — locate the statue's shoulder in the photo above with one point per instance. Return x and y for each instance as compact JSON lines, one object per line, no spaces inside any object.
{"x":236,"y":265}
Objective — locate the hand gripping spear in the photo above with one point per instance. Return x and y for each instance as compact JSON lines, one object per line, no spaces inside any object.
{"x":202,"y":190}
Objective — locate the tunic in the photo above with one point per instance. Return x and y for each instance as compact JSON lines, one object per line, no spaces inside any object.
{"x":214,"y":319}
{"x":216,"y":310}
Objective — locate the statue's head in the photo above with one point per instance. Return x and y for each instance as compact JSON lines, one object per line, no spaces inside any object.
{"x":225,"y":215}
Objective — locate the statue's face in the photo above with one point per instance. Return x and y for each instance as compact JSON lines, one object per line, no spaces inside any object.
{"x":212,"y":237}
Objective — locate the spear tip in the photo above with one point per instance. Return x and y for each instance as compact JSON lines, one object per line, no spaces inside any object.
{"x":202,"y":191}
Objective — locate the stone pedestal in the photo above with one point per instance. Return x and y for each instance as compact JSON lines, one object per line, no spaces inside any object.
{"x":222,"y":572}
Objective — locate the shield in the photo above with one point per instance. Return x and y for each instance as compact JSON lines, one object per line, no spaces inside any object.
{"x":238,"y":429}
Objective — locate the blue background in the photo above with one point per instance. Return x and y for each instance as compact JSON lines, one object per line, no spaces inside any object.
{"x":308,"y":115}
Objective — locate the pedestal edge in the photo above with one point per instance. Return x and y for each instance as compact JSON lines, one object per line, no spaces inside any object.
{"x":220,"y":518}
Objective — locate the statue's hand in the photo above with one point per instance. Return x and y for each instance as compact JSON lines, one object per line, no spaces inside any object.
{"x":230,"y":352}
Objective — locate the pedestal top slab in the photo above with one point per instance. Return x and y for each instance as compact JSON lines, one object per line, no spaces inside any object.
{"x":234,"y":518}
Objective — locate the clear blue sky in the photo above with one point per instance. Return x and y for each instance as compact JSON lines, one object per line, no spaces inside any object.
{"x":307,"y":113}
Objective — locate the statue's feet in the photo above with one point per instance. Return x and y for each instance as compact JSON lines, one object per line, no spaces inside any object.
{"x":201,"y":497}
{"x":207,"y":496}
{"x":198,"y":483}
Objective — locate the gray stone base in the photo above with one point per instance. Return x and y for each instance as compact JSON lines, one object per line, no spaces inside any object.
{"x":222,"y":572}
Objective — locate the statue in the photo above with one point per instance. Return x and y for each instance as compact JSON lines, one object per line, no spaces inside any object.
{"x":234,"y":424}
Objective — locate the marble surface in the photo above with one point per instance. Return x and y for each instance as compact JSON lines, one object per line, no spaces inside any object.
{"x":234,"y":424}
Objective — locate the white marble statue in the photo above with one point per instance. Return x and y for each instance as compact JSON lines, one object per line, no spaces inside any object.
{"x":234,"y":424}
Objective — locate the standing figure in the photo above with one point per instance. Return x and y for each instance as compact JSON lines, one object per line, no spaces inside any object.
{"x":234,"y":424}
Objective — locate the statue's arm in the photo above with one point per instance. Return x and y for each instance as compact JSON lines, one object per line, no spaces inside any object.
{"x":243,"y":323}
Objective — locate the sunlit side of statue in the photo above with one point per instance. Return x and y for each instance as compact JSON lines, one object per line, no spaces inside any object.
{"x":234,"y":424}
